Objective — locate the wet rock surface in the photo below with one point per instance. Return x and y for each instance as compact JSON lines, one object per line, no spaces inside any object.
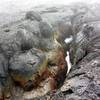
{"x":33,"y":51}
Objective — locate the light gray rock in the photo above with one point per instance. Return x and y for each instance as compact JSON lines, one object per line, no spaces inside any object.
{"x":33,"y":16}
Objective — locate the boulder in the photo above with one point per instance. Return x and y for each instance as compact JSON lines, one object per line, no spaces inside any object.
{"x":33,"y":16}
{"x":26,"y":66}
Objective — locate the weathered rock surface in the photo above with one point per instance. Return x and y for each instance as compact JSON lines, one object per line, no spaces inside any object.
{"x":28,"y":56}
{"x":32,"y":53}
{"x":83,"y":82}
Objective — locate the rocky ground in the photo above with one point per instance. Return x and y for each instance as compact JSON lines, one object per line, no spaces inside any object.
{"x":83,"y":81}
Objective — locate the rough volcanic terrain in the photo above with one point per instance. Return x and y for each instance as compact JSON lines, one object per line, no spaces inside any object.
{"x":83,"y":81}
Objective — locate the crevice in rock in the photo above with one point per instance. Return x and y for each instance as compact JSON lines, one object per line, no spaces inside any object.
{"x":75,"y":75}
{"x":67,"y":92}
{"x":7,"y":30}
{"x":60,"y":78}
{"x":29,"y":86}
